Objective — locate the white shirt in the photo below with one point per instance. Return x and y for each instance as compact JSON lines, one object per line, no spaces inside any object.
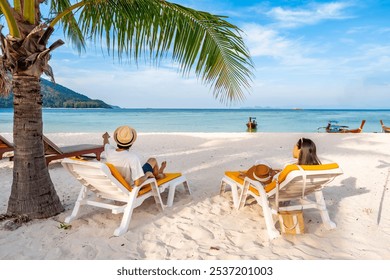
{"x":127,"y":163}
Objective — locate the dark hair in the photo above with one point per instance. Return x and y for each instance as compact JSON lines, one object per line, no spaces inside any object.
{"x":308,"y":152}
{"x":123,"y":147}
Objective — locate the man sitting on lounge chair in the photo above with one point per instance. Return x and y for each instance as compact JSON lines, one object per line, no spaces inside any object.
{"x":126,"y":161}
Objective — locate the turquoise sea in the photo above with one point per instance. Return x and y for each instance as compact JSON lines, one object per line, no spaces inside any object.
{"x":199,"y":120}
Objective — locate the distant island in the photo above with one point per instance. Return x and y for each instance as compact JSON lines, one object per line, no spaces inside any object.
{"x":57,"y":96}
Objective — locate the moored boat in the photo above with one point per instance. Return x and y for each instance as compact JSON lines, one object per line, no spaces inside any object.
{"x":251,"y":124}
{"x":385,"y":129}
{"x":334,"y":127}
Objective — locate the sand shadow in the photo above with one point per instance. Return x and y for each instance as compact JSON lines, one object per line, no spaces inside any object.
{"x":383,"y":164}
{"x":347,"y":188}
{"x":334,"y":194}
{"x":385,"y":188}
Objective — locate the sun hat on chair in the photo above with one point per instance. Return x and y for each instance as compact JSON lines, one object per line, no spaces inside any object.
{"x":261,"y":172}
{"x":125,"y":136}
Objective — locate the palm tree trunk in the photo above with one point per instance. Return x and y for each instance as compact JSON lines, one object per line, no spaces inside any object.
{"x":32,"y":192}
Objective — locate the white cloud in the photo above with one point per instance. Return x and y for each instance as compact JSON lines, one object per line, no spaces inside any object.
{"x":264,"y":41}
{"x":359,"y":30}
{"x":310,"y":15}
{"x":293,"y":68}
{"x":384,"y":30}
{"x":299,"y":55}
{"x":366,"y":59}
{"x":129,"y":88}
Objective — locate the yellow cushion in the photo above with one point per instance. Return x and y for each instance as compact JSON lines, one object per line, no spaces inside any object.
{"x":78,"y":158}
{"x":122,"y":180}
{"x":234,"y":175}
{"x":145,"y":189}
{"x":282,"y":175}
{"x":168,"y":177}
{"x":292,"y":167}
{"x":118,"y":176}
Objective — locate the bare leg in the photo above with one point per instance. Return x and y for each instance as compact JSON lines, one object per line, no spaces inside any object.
{"x":160,"y":171}
{"x":162,"y":167}
{"x":157,"y":172}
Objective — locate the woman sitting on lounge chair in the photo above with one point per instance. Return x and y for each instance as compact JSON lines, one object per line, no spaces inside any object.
{"x":304,"y":151}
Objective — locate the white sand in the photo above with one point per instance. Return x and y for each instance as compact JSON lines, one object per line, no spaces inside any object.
{"x":205,"y":225}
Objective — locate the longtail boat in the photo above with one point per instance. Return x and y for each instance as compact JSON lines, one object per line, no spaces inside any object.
{"x":385,"y":129}
{"x":251,"y":124}
{"x":333,"y":127}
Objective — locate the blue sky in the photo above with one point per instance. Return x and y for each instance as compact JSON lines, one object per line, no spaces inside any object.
{"x":307,"y":54}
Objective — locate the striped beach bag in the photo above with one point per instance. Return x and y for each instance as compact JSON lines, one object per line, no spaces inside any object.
{"x":291,"y":222}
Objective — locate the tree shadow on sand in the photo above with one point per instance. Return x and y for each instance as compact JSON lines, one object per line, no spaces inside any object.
{"x":385,"y":188}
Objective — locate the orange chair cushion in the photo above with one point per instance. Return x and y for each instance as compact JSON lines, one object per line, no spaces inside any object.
{"x":119,"y":177}
{"x":234,"y":175}
{"x":292,"y":167}
{"x":168,"y":177}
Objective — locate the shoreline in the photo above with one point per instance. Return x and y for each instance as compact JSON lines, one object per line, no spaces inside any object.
{"x":202,"y":120}
{"x":196,"y":225}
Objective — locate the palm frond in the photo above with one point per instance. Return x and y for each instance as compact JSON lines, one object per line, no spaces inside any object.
{"x":69,"y":22}
{"x":6,"y":11}
{"x":200,"y":42}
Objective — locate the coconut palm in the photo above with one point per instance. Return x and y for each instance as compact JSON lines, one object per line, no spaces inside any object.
{"x":198,"y":41}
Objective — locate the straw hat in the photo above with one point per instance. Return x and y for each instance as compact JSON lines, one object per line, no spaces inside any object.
{"x":260,"y":172}
{"x":125,"y":136}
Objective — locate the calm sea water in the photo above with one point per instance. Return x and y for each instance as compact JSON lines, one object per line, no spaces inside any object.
{"x":199,"y":120}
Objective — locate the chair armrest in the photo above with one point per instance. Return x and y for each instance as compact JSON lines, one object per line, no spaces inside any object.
{"x":147,"y":181}
{"x":155,"y":191}
{"x":254,"y":183}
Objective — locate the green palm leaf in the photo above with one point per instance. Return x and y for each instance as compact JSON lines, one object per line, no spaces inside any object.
{"x":69,"y":22}
{"x":200,"y":42}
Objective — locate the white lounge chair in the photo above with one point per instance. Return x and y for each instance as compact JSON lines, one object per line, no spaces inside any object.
{"x":236,"y":184}
{"x":294,"y":183}
{"x":104,"y":180}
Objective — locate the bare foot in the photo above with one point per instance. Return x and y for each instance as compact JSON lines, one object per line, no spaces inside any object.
{"x":162,"y":167}
{"x":161,"y":174}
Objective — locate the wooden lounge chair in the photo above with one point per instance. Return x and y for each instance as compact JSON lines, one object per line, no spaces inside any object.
{"x":53,"y":152}
{"x":294,"y":183}
{"x":111,"y":191}
{"x":385,"y":129}
{"x":5,"y":146}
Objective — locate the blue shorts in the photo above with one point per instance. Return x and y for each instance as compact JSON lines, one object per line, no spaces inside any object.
{"x":147,"y":168}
